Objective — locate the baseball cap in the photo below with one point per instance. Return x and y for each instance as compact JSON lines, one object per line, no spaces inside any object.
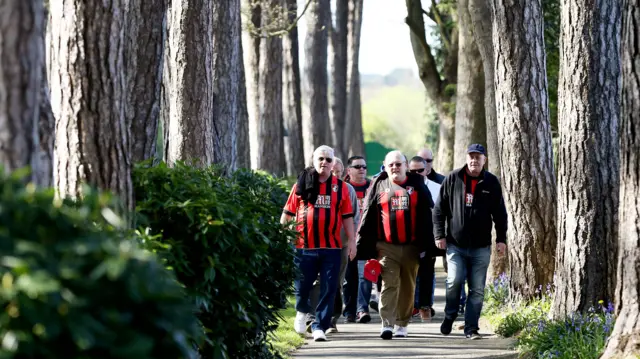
{"x":477,"y":148}
{"x":372,"y":270}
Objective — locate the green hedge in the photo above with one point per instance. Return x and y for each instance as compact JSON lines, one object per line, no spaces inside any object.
{"x":221,"y":235}
{"x":73,"y":286}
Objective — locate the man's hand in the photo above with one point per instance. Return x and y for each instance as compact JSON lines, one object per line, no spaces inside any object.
{"x":441,"y":243}
{"x":353,"y":250}
{"x":501,"y":248}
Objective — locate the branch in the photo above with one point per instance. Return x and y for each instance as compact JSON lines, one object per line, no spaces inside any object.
{"x":258,"y":33}
{"x":426,"y":63}
{"x":437,"y":18}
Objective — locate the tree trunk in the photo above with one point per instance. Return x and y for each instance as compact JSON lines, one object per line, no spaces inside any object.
{"x":353,"y":136}
{"x":88,"y":97}
{"x":588,"y":155}
{"x":470,"y":125}
{"x":244,"y":152}
{"x":43,"y":169}
{"x":251,"y":43}
{"x":144,"y":48}
{"x":191,"y":129}
{"x":291,"y":99}
{"x":339,"y":40}
{"x":480,"y":12}
{"x":21,"y":62}
{"x":165,"y":88}
{"x":228,"y":83}
{"x":625,"y":338}
{"x":270,"y":139}
{"x":524,"y":135}
{"x":315,"y":127}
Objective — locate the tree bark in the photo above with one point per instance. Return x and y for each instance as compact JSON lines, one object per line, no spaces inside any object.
{"x":88,"y":97}
{"x":144,"y":48}
{"x":21,"y":62}
{"x":525,"y":142}
{"x":190,"y":132}
{"x":588,"y":155}
{"x":315,"y":126}
{"x":291,"y":99}
{"x":625,"y":338}
{"x":438,"y":86}
{"x":339,"y":40}
{"x":252,"y":79}
{"x":270,"y":138}
{"x":244,"y":152}
{"x":480,"y":11}
{"x":43,"y":169}
{"x":353,"y":136}
{"x":470,"y":125}
{"x":228,"y":83}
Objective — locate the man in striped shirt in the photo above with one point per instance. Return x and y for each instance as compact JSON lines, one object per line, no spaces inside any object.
{"x":396,"y":228}
{"x":320,"y":205}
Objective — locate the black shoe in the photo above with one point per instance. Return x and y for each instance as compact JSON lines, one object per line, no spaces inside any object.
{"x":445,"y":328}
{"x":374,"y":305}
{"x":461,"y":310}
{"x":363,"y":318}
{"x":350,"y":319}
{"x":386,"y":334}
{"x":433,"y":312}
{"x":473,"y":335}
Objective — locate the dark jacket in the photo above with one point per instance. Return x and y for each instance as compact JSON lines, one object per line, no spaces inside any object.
{"x":435,"y":176}
{"x":370,"y":230}
{"x":488,"y":206}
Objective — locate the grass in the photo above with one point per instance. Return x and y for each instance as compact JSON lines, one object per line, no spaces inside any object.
{"x":284,"y":339}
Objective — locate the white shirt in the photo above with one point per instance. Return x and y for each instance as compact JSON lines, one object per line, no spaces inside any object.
{"x":434,"y":188}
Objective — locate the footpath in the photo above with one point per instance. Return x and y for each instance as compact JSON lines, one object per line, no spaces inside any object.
{"x":424,"y":340}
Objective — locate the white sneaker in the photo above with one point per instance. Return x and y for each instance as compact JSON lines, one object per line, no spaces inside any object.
{"x":400,"y":332}
{"x":300,"y":323}
{"x":386,"y":333}
{"x":318,"y":335}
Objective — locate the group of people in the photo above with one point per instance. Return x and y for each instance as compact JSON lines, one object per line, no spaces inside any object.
{"x":400,"y":221}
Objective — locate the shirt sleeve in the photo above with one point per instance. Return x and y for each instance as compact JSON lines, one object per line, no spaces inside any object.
{"x":346,"y":208}
{"x":354,"y":205}
{"x":291,"y":207}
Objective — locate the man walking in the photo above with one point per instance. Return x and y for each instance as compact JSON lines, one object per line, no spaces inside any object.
{"x":431,"y":174}
{"x":320,"y":204}
{"x":470,"y":199}
{"x":395,"y":228}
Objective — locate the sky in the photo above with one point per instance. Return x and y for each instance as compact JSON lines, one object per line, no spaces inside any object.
{"x":384,"y":43}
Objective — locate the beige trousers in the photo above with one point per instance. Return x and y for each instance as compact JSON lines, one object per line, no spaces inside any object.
{"x":400,"y":265}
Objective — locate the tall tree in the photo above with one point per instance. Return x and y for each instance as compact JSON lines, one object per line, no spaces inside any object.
{"x":524,"y":137}
{"x":480,"y":11}
{"x":625,"y":337}
{"x":291,"y":97}
{"x":440,"y":85}
{"x":21,"y":62}
{"x":146,"y":29}
{"x":43,"y":170}
{"x":588,"y":158}
{"x":353,"y":136}
{"x":270,"y":156}
{"x":88,"y":97}
{"x":191,"y":129}
{"x":315,"y":126}
{"x":339,"y":41}
{"x":470,"y":125}
{"x":251,"y":44}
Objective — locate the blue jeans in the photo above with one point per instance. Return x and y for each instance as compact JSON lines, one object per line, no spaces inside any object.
{"x":472,"y":264}
{"x":463,"y":292}
{"x":364,"y":289}
{"x":310,"y":262}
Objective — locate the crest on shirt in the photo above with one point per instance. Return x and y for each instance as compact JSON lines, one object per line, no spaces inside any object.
{"x":334,"y":188}
{"x":387,"y":190}
{"x":409,"y":190}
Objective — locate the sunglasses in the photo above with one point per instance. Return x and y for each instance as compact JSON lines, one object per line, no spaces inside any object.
{"x":395,"y":164}
{"x":359,"y":167}
{"x":327,"y":159}
{"x":420,"y":170}
{"x":428,"y":160}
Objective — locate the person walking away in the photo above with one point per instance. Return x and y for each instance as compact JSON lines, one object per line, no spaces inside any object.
{"x":394,"y":230}
{"x":320,"y":205}
{"x":470,"y":200}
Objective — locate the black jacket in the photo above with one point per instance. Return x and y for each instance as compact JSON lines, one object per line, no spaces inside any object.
{"x":370,"y":230}
{"x":488,"y":206}
{"x":435,"y":176}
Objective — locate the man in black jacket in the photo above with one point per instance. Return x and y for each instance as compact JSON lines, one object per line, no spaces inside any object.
{"x":470,"y":199}
{"x":431,"y":174}
{"x":395,"y":228}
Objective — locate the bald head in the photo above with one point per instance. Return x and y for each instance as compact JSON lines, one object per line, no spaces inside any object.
{"x":427,"y":154}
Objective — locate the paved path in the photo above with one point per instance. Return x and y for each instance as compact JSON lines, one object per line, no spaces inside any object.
{"x":424,"y":340}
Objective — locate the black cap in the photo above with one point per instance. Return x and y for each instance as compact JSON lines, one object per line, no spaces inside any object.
{"x":476,"y":148}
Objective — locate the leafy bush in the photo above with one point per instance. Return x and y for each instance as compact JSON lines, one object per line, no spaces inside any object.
{"x":223,"y":238}
{"x":496,"y":295}
{"x":73,"y":286}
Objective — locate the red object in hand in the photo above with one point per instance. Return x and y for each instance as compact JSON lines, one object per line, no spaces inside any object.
{"x":372,"y":270}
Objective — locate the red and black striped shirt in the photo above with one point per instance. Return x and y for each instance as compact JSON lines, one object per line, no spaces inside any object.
{"x":398,"y":205}
{"x":319,"y":224}
{"x":361,"y":191}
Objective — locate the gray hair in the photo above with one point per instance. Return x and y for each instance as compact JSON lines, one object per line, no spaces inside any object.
{"x":323,"y":148}
{"x":395,"y":153}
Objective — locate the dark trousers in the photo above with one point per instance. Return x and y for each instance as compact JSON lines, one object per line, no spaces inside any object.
{"x":424,"y":291}
{"x":350,"y":289}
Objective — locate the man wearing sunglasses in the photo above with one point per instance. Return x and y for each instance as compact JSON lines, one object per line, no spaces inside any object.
{"x":431,"y":174}
{"x":395,"y":228}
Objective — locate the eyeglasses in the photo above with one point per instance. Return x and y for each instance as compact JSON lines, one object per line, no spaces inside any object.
{"x":419,"y":170}
{"x":395,"y":164}
{"x":358,"y":167}
{"x":327,"y":159}
{"x":428,"y":160}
